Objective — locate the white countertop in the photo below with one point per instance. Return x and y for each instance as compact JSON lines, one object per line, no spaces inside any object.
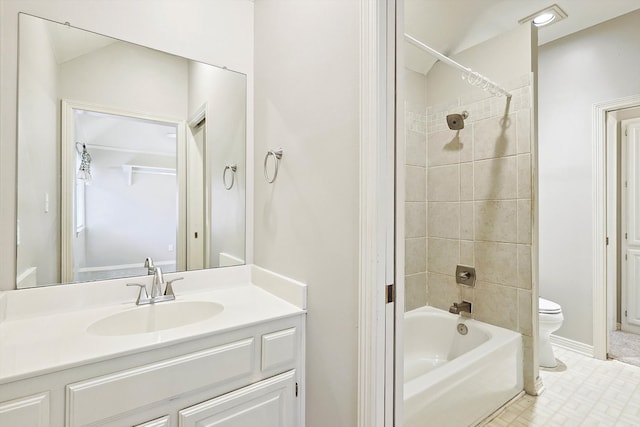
{"x":53,"y":337}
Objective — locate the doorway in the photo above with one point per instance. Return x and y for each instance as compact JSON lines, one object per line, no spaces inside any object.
{"x":617,"y":126}
{"x":119,"y":170}
{"x":624,"y":339}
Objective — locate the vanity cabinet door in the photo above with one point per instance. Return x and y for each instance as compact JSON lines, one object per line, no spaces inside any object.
{"x":268,"y":403}
{"x":31,"y":411}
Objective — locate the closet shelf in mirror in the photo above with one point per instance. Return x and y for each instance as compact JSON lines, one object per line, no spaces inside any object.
{"x":155,"y":170}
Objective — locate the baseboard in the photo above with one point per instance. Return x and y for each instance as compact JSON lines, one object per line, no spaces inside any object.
{"x":572,"y":345}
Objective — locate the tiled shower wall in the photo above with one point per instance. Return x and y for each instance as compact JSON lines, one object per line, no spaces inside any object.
{"x":479,"y":193}
{"x":416,"y":196}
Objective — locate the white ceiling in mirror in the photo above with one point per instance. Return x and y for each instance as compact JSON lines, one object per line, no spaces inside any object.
{"x":453,"y":26}
{"x":111,"y":131}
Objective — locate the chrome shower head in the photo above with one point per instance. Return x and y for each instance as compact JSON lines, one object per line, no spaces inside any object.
{"x":456,"y":121}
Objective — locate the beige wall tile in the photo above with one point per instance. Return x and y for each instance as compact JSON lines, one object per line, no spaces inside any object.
{"x":443,"y":291}
{"x":523,"y":127}
{"x":467,"y":293}
{"x":495,"y":179}
{"x":467,"y":253}
{"x":524,"y":176}
{"x":524,"y":266}
{"x":415,"y":256}
{"x":525,"y":321}
{"x":416,"y":148}
{"x":494,"y":137}
{"x":524,"y":221}
{"x":466,"y":181}
{"x":415,"y":219}
{"x":416,"y":183}
{"x":443,"y":256}
{"x":443,"y":148}
{"x":496,"y":262}
{"x":466,"y":220}
{"x":466,"y":139}
{"x":444,"y":183}
{"x":496,"y":221}
{"x":496,"y":304}
{"x":443,"y":219}
{"x":415,"y":291}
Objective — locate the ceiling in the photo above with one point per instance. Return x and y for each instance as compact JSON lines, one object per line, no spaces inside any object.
{"x":452,"y":26}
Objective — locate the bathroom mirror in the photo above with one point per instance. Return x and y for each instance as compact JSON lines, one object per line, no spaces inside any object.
{"x":124,"y":152}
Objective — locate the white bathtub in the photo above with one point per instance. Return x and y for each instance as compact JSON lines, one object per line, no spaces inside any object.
{"x":452,"y":379}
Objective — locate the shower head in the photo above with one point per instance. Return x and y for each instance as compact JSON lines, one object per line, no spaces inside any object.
{"x":456,"y":121}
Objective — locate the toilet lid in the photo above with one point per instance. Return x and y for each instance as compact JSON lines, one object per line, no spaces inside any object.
{"x":548,"y":307}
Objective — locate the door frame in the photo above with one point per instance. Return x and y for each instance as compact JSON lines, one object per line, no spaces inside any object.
{"x":604,"y":265}
{"x":376,"y":349}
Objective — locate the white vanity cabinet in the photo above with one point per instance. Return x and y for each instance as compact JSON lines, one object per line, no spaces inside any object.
{"x":252,"y":376}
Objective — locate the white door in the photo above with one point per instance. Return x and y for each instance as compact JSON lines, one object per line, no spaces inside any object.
{"x":630,"y":315}
{"x":268,"y":403}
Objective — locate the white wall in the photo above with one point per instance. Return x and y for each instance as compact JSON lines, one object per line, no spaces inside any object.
{"x":128,"y":77}
{"x":127,"y":223}
{"x":306,"y":223}
{"x":225,"y":94}
{"x":38,"y":159}
{"x":598,"y":64}
{"x":219,"y":32}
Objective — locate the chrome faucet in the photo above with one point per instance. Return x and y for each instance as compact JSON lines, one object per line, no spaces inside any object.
{"x":157,"y":295}
{"x":156,"y":284}
{"x":459,"y":307}
{"x":148,"y":264}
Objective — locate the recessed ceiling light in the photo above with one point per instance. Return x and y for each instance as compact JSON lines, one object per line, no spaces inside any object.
{"x":545,"y":16}
{"x":544,"y":19}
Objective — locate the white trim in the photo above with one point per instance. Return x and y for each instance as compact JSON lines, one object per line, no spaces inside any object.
{"x":599,"y":131}
{"x":373,"y":191}
{"x":578,"y":347}
{"x":400,"y":157}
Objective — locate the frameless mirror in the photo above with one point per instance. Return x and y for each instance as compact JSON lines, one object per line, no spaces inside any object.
{"x":124,"y":153}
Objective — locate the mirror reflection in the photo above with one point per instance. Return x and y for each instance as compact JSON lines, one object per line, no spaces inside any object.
{"x":124,"y":153}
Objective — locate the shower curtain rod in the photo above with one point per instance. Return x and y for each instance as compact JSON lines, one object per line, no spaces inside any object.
{"x":472,"y":77}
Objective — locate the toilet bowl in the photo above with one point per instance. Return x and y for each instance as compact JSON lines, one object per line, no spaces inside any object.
{"x":549,"y":320}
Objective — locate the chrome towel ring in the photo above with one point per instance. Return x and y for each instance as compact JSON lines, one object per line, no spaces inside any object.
{"x":277,"y":155}
{"x":233,"y":169}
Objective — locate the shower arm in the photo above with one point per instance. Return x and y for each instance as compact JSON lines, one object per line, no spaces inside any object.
{"x":478,"y":79}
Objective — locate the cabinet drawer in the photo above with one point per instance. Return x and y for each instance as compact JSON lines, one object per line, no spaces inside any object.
{"x":278,"y":349}
{"x":31,"y":411}
{"x":107,"y":396}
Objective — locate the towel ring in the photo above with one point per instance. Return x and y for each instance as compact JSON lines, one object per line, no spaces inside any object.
{"x":233,"y":169}
{"x":277,"y":155}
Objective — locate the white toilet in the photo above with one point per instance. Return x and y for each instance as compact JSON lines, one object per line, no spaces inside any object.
{"x":550,"y":320}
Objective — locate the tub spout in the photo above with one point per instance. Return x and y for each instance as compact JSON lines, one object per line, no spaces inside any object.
{"x":459,"y":307}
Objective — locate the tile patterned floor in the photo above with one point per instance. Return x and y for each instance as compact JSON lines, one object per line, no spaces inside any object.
{"x":582,"y":391}
{"x":624,"y":347}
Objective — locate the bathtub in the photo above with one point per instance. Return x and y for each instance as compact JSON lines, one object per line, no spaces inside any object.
{"x":452,"y":379}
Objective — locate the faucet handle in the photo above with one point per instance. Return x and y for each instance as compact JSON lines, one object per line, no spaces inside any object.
{"x":168,"y":290}
{"x":142,"y":295}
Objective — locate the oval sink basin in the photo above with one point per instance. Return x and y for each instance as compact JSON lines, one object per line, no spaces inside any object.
{"x":155,"y":317}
